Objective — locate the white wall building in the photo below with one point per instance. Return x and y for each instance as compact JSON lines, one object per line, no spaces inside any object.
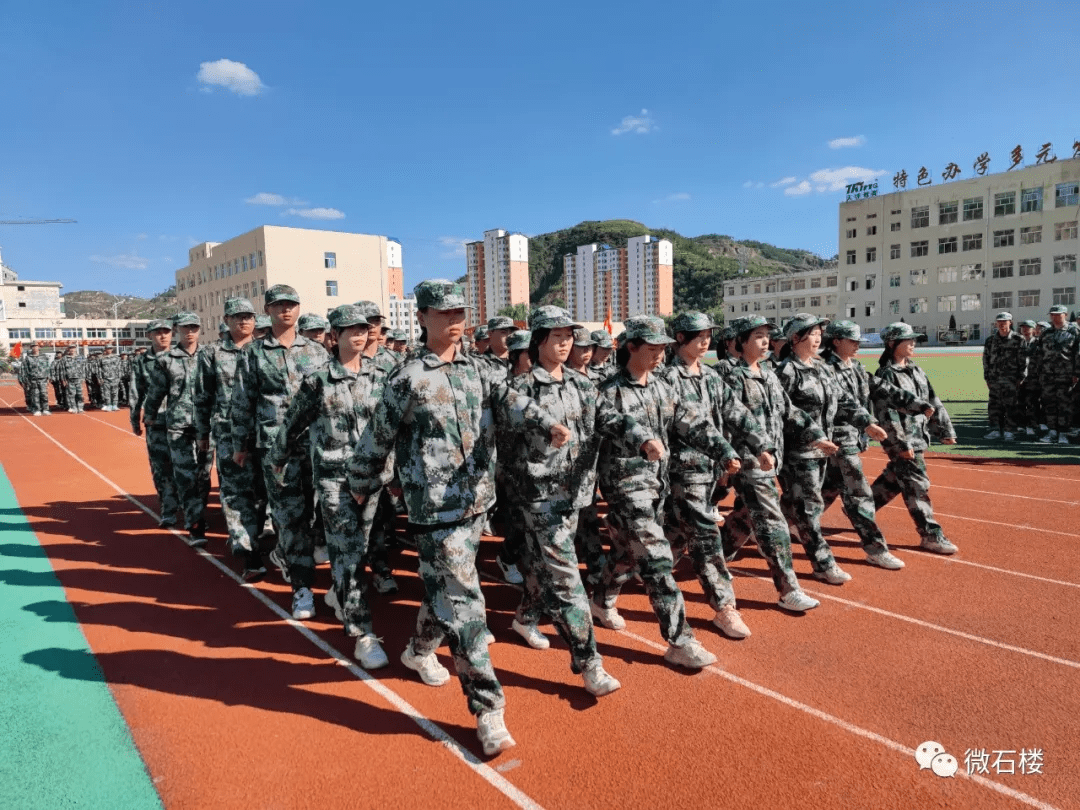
{"x":629,"y":281}
{"x":497,"y":271}
{"x":402,"y":315}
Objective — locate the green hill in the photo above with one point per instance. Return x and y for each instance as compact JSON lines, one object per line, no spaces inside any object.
{"x":96,"y":304}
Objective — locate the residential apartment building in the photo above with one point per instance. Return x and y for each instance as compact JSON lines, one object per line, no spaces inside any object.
{"x":961,"y":250}
{"x":497,"y":271}
{"x":327,"y":268}
{"x":402,"y":315}
{"x":625,"y":281}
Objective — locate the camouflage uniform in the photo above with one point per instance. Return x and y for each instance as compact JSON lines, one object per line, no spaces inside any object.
{"x":34,"y":378}
{"x":1057,"y":358}
{"x":172,"y":381}
{"x":1004,"y":364}
{"x":56,"y":378}
{"x":111,"y":367}
{"x":440,"y":418}
{"x":123,"y":396}
{"x":73,"y":375}
{"x":336,"y":404}
{"x":268,"y":376}
{"x":157,"y":438}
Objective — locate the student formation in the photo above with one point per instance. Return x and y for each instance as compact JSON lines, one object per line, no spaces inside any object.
{"x":325,"y":430}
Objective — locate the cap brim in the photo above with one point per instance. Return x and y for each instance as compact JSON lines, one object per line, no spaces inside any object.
{"x":658,"y":340}
{"x":290,"y":298}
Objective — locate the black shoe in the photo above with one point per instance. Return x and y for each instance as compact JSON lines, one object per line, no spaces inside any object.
{"x":167,"y":522}
{"x":197,"y":535}
{"x":254,"y":568}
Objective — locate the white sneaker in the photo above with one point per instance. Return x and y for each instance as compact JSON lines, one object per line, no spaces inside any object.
{"x":885,"y":559}
{"x":1029,"y":431}
{"x":797,"y":602}
{"x":1050,"y":437}
{"x":492,"y":733}
{"x":430,"y":670}
{"x":46,"y":413}
{"x":834,"y":575}
{"x":510,"y":572}
{"x":35,"y":413}
{"x":609,"y":617}
{"x":303,"y":604}
{"x":597,"y":680}
{"x":1043,"y":428}
{"x":532,"y":635}
{"x":715,"y":515}
{"x":321,"y":555}
{"x":730,"y":622}
{"x":993,"y":434}
{"x":939,"y":545}
{"x":369,"y":653}
{"x":1008,"y":436}
{"x":1063,"y":439}
{"x":279,"y":561}
{"x":489,"y":638}
{"x":690,"y":654}
{"x":331,"y":602}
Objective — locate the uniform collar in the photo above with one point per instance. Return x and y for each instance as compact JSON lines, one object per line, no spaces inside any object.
{"x":543,"y":376}
{"x":432,"y":360}
{"x":271,"y":341}
{"x":337,"y":371}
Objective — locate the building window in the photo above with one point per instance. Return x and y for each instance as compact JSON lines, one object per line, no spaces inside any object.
{"x":894,"y":280}
{"x":1064,"y":230}
{"x":894,"y":251}
{"x":1004,"y":203}
{"x":71,"y":333}
{"x":852,"y":219}
{"x":1002,"y":269}
{"x":946,"y":303}
{"x":919,"y":277}
{"x":946,"y":245}
{"x":871,"y":230}
{"x":871,"y":281}
{"x":1028,"y":298}
{"x":1001,"y":300}
{"x":329,"y":261}
{"x":869,"y":309}
{"x":920,"y":248}
{"x":800,"y":303}
{"x":800,"y":284}
{"x":243,"y":263}
{"x":830,"y":281}
{"x":757,"y":289}
{"x":785,"y":303}
{"x":1030,"y":200}
{"x":770,"y":286}
{"x":745,"y":289}
{"x":851,"y":258}
{"x":871,"y":216}
{"x":1066,"y":194}
{"x":916,"y":305}
{"x":1065,"y":295}
{"x":757,"y":306}
{"x":745,"y":308}
{"x":851,"y":283}
{"x":731,"y":290}
{"x":947,"y":275}
{"x":947,"y":212}
{"x":815,"y":283}
{"x":94,"y":332}
{"x":973,"y":208}
{"x":1030,"y":267}
{"x":815,"y":301}
{"x":894,"y":307}
{"x":871,"y":254}
{"x":1004,"y":238}
{"x":920,"y":217}
{"x":894,"y":226}
{"x":18,"y":334}
{"x":47,"y":332}
{"x":850,"y":233}
{"x":22,"y":304}
{"x":969,"y":302}
{"x":1065,"y":264}
{"x":1031,"y":235}
{"x":785,"y":286}
{"x":972,"y":272}
{"x":972,"y":241}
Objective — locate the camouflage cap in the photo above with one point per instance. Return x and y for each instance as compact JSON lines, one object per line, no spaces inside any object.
{"x":647,"y":328}
{"x":370,"y":309}
{"x":740,"y":326}
{"x":1058,"y":309}
{"x":848,"y":330}
{"x":440,"y":294}
{"x":347,"y":315}
{"x":158,"y":325}
{"x":692,"y":322}
{"x":898,"y":331}
{"x":262,"y":322}
{"x":500,"y":322}
{"x":310,"y":320}
{"x":398,"y":334}
{"x":480,"y":332}
{"x":222,"y":328}
{"x":550,"y":317}
{"x":583,"y":337}
{"x":1004,"y":316}
{"x":777,"y":333}
{"x":803,"y":320}
{"x":731,"y":330}
{"x":1030,"y":324}
{"x":518,"y":340}
{"x":1045,"y":324}
{"x":602,"y":339}
{"x":187,"y":319}
{"x":280,"y":292}
{"x":238,"y":306}
{"x":621,"y":338}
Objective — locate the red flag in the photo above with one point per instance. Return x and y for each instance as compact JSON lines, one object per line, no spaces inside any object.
{"x":16,"y":350}
{"x":607,"y":322}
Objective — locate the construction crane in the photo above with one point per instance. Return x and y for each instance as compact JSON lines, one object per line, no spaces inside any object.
{"x":36,"y":221}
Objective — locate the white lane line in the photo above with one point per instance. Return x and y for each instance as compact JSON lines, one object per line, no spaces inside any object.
{"x":954,"y":465}
{"x":899,"y":748}
{"x":1006,"y":495}
{"x":481,"y":769}
{"x":991,"y":522}
{"x":127,"y":433}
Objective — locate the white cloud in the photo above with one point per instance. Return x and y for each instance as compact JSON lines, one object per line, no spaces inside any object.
{"x":129,"y":261}
{"x":141,"y":236}
{"x":841,"y":143}
{"x":638,"y":124}
{"x":267,"y":198}
{"x":679,"y":196}
{"x":455,"y":245}
{"x":798,"y":190}
{"x":233,"y":76}
{"x":786,"y":181}
{"x":837,"y":179}
{"x":315,"y":213}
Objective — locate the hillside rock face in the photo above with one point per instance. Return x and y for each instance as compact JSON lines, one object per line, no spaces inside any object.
{"x":97,"y":304}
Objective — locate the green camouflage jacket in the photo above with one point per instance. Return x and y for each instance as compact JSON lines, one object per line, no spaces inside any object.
{"x":564,"y":477}
{"x":336,"y":404}
{"x":769,"y":403}
{"x":624,"y":472}
{"x":171,"y":382}
{"x":268,"y":377}
{"x":1005,"y":358}
{"x":440,"y":417}
{"x":865,"y":389}
{"x":218,"y":368}
{"x":385,"y":360}
{"x":814,"y":390}
{"x":911,"y":431}
{"x":73,"y":369}
{"x":1057,"y":351}
{"x":724,"y":412}
{"x":111,"y":367}
{"x":139,"y":385}
{"x":34,"y":368}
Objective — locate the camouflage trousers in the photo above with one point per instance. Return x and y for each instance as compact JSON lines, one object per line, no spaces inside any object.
{"x":58,"y":392}
{"x":513,"y":545}
{"x":553,"y":581}
{"x":348,"y":526}
{"x":845,"y":478}
{"x":110,"y":390}
{"x":1057,"y":402}
{"x":191,"y":472}
{"x":691,"y":527}
{"x":453,"y":607}
{"x":757,"y":516}
{"x":1001,"y":404}
{"x":638,"y":541}
{"x":802,"y":480}
{"x":590,"y":542}
{"x":1029,"y":409}
{"x":37,"y":396}
{"x":908,"y":477}
{"x":73,"y":394}
{"x":161,"y":470}
{"x":291,"y":497}
{"x":381,"y":534}
{"x":237,"y":492}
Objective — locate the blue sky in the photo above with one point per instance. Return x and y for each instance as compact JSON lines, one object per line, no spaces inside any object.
{"x":159,"y":128}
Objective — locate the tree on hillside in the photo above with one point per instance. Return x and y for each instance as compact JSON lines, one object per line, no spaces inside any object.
{"x":516,"y":312}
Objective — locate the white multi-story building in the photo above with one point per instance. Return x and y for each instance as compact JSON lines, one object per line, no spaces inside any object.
{"x":327,"y":268}
{"x":625,"y":281}
{"x":957,"y":251}
{"x":402,"y":315}
{"x":497,"y":271}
